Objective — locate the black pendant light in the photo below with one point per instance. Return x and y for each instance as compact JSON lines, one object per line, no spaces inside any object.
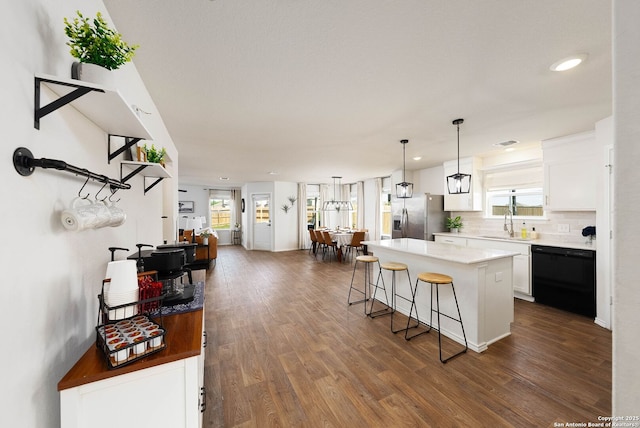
{"x":404,"y":190}
{"x":458,"y":183}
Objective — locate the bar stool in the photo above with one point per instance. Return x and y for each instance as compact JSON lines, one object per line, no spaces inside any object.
{"x":368,"y":261}
{"x":436,"y":279}
{"x":394,"y":267}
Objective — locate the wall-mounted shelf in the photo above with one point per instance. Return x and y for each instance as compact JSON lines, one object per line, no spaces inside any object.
{"x":147,"y":169}
{"x":103,"y":106}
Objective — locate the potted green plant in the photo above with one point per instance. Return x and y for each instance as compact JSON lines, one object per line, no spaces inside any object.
{"x":154,"y":155}
{"x":454,"y":224}
{"x":205,"y":234}
{"x":93,"y":42}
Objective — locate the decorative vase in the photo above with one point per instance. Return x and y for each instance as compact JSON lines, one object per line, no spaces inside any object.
{"x":205,"y":241}
{"x":93,"y":74}
{"x":454,"y":230}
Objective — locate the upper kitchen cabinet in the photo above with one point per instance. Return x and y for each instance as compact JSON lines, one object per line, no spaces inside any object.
{"x":471,"y":201}
{"x":569,"y":172}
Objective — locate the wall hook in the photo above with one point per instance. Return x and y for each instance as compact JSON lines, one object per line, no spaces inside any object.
{"x":80,"y":191}
{"x":105,"y":198}
{"x":113,"y":192}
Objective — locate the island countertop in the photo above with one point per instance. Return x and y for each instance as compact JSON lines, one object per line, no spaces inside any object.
{"x":437,"y":250}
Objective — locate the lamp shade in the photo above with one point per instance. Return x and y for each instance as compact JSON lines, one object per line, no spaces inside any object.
{"x":458,"y":183}
{"x":404,"y":190}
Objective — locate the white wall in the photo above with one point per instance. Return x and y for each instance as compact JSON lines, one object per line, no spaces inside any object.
{"x":626,"y":292}
{"x":51,"y":276}
{"x":285,"y":224}
{"x":200,"y":197}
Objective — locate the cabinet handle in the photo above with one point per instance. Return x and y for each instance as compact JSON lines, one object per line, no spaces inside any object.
{"x":204,"y":334}
{"x":203,"y":402}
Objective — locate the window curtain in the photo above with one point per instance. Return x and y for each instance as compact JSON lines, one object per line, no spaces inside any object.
{"x":378,"y":220}
{"x":360,"y":204}
{"x":344,"y":214}
{"x":235,"y":211}
{"x":303,"y":234}
{"x":524,"y":178}
{"x":324,"y":215}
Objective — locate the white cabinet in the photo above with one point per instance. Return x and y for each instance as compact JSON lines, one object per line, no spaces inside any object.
{"x":471,"y":201}
{"x":163,"y":390}
{"x":569,"y":179}
{"x":163,"y":396}
{"x":455,"y":240}
{"x":521,"y":262}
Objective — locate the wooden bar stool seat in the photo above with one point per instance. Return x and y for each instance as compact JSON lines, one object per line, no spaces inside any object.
{"x":391,"y":309}
{"x":368,"y":261}
{"x":437,"y":280}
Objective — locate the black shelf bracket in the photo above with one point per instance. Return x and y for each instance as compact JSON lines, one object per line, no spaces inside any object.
{"x":128,"y":143}
{"x":136,"y":171}
{"x":25,"y":163}
{"x":39,"y":112}
{"x":147,"y":188}
{"x":133,"y":173}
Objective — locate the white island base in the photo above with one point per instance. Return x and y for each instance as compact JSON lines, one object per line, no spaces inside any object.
{"x":482,"y":278}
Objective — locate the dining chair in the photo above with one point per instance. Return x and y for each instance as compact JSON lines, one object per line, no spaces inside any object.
{"x":320,"y":240}
{"x":314,"y":241}
{"x":330,"y":243}
{"x":356,"y":242}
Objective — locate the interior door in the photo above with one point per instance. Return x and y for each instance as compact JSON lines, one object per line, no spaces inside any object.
{"x":262,"y":222}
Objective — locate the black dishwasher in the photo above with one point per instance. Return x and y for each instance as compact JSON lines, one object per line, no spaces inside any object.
{"x":564,"y":278}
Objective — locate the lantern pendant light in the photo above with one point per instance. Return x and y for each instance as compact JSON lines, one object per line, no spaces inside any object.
{"x":458,"y":183}
{"x":404,"y":190}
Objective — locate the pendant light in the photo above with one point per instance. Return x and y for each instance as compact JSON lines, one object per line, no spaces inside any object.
{"x":458,"y":183}
{"x":334,"y":204}
{"x":404,"y":190}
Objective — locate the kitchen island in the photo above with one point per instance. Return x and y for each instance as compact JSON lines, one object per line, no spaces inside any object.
{"x":483,"y":281}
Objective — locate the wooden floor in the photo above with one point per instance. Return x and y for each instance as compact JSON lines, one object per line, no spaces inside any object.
{"x":285,"y":350}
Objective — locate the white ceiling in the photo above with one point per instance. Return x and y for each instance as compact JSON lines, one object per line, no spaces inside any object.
{"x":312,"y":89}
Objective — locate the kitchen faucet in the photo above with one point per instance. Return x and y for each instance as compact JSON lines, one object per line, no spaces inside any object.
{"x":507,"y":228}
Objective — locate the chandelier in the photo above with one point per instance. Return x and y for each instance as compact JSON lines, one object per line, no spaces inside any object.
{"x":336,"y":205}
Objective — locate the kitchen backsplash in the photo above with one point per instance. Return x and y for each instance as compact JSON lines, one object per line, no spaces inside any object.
{"x":548,"y":230}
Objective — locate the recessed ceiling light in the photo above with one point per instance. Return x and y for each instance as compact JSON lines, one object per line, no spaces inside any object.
{"x":568,"y":63}
{"x":224,"y":178}
{"x":273,"y":173}
{"x":509,"y":149}
{"x":416,"y":158}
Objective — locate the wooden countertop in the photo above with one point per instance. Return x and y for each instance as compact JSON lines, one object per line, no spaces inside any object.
{"x":183,"y":339}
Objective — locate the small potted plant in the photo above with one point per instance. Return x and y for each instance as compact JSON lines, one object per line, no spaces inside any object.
{"x":205,"y":234}
{"x":154,"y":155}
{"x":97,"y":46}
{"x":454,"y":224}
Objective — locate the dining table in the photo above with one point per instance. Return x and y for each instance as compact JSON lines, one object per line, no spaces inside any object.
{"x":342,"y":238}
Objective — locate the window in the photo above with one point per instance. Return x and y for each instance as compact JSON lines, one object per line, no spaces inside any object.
{"x":521,"y":202}
{"x":385,"y":207}
{"x":313,"y":208}
{"x":220,"y":213}
{"x":262,"y":210}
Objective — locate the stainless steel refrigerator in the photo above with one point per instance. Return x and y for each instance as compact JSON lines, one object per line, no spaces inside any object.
{"x":418,"y":217}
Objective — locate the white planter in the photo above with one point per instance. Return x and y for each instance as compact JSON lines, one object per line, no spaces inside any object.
{"x":454,"y":230}
{"x":205,"y":241}
{"x":95,"y":74}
